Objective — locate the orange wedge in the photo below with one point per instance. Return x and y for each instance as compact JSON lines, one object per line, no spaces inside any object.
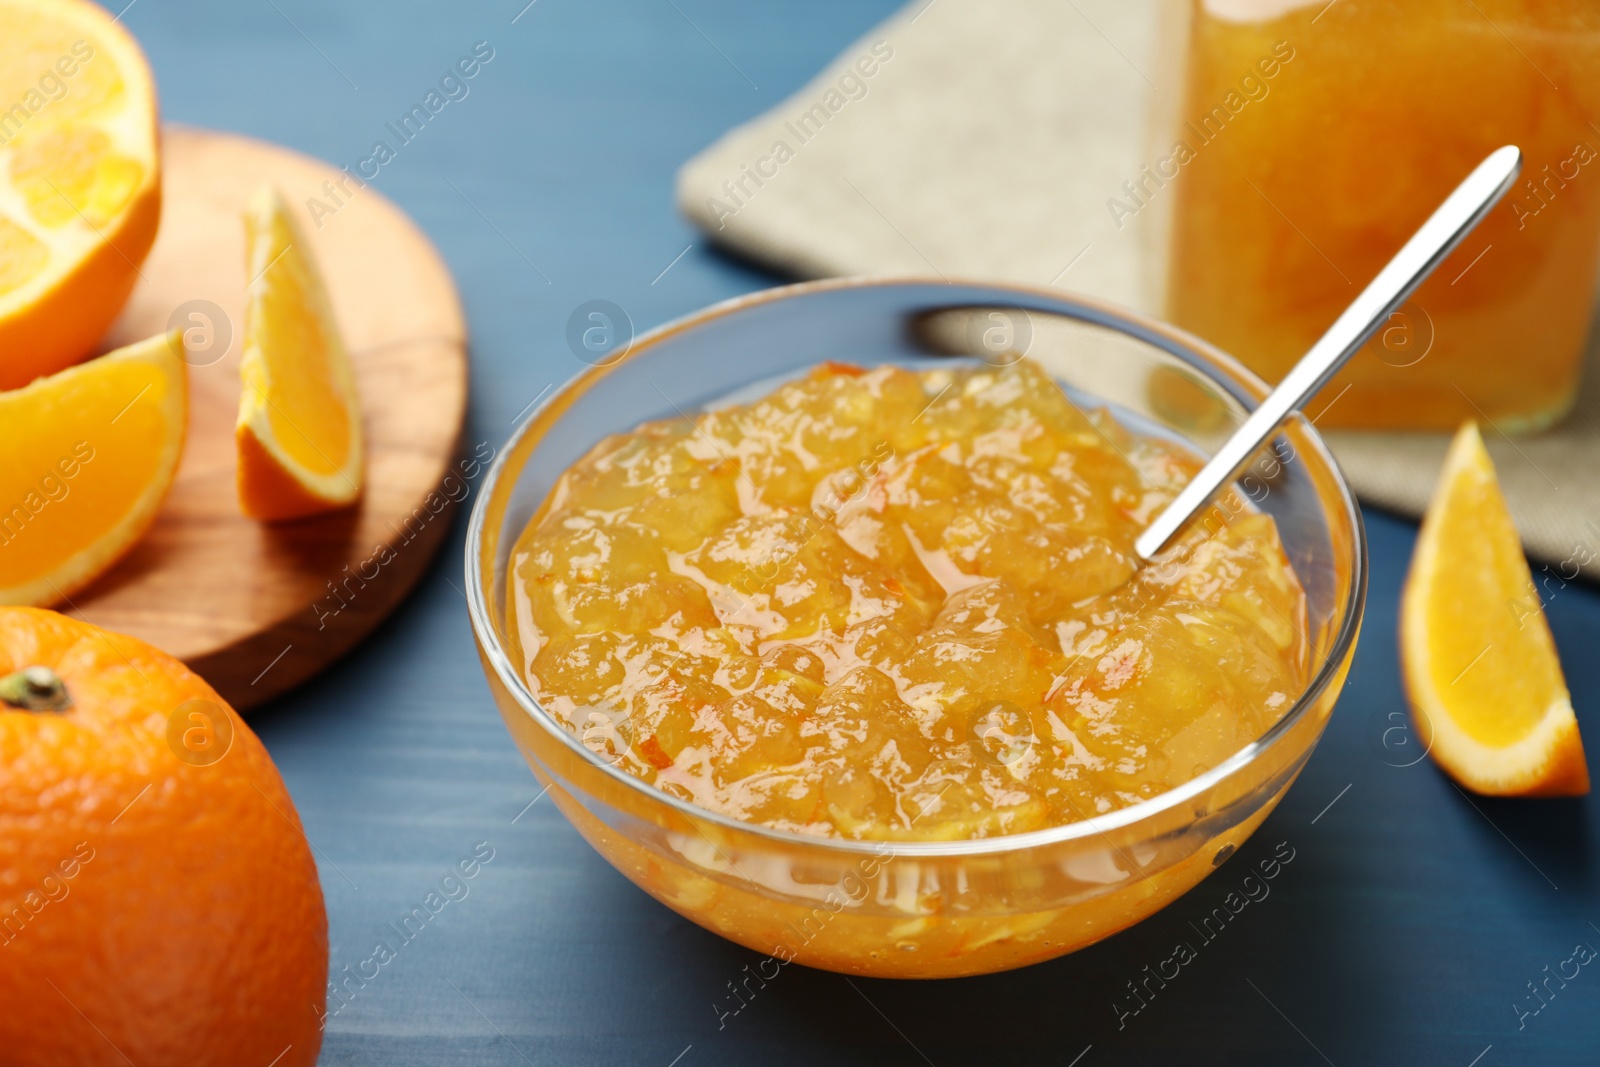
{"x":80,"y":183}
{"x":1480,"y":665}
{"x":86,"y":457}
{"x":299,"y":429}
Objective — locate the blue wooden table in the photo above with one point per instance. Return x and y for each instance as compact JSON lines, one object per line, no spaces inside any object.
{"x":1407,"y":928}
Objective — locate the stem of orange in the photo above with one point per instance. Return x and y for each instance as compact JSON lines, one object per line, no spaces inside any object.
{"x":35,"y":689}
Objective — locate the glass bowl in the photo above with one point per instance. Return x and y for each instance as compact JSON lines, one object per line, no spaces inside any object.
{"x":923,"y":909}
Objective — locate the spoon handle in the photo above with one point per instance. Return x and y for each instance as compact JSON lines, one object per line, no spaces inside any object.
{"x":1455,"y":218}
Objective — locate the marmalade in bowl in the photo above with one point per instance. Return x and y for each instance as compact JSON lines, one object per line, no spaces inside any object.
{"x":895,"y":605}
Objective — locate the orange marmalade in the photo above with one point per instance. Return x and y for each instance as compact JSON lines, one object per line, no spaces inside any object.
{"x":895,"y":605}
{"x":1311,"y":139}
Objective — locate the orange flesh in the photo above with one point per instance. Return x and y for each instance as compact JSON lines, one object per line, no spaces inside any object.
{"x":22,"y":255}
{"x":1309,"y":172}
{"x":74,"y":174}
{"x":307,"y":411}
{"x":55,"y":87}
{"x":894,"y":605}
{"x":63,"y":488}
{"x":1489,"y":648}
{"x":33,"y":74}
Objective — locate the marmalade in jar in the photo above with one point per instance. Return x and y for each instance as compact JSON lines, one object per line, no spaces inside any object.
{"x":896,"y":605}
{"x":1310,"y":140}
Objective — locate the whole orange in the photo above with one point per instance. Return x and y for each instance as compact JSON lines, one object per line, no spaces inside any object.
{"x":159,"y":903}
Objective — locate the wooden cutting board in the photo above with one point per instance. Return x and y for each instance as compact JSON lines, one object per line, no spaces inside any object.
{"x":253,"y":608}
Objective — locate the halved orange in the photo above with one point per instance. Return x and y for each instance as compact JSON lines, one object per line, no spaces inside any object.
{"x":299,"y":430}
{"x":86,"y":457}
{"x":1480,"y":665}
{"x":80,"y":182}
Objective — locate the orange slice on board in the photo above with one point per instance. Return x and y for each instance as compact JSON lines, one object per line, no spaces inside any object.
{"x":299,"y":430}
{"x":86,"y":458}
{"x":1480,"y":665}
{"x":80,"y":180}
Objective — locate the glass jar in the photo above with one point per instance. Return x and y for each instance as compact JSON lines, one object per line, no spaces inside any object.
{"x":1305,"y":141}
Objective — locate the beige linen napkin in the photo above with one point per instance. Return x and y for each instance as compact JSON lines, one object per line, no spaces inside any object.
{"x":982,"y":138}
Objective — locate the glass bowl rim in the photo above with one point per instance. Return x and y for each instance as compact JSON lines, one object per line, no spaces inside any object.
{"x":1218,"y":368}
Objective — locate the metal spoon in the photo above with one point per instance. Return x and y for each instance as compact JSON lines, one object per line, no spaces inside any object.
{"x":1455,"y":218}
